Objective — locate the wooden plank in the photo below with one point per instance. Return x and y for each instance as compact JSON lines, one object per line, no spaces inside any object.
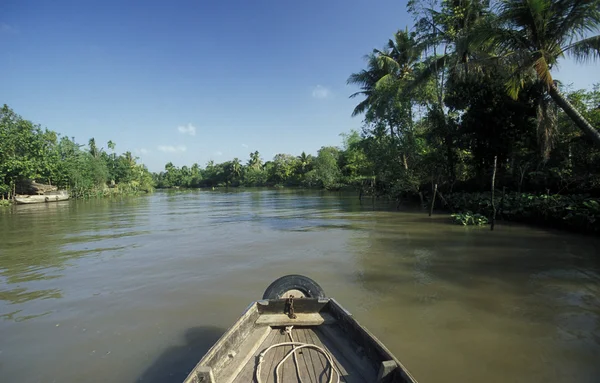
{"x":204,"y":375}
{"x":386,"y":371}
{"x":307,"y":372}
{"x":287,"y":370}
{"x":301,"y":305}
{"x":307,"y":319}
{"x":270,"y":357}
{"x":312,"y":365}
{"x":276,"y":355}
{"x":349,"y":371}
{"x":247,"y":374}
{"x":319,"y":360}
{"x":218,"y":355}
{"x":244,"y":354}
{"x":347,"y":349}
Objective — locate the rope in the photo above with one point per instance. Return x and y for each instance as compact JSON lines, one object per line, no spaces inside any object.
{"x":288,"y":330}
{"x":300,"y":345}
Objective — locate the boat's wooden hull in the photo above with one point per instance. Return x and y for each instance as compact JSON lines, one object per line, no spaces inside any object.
{"x":29,"y":199}
{"x":357,"y":354}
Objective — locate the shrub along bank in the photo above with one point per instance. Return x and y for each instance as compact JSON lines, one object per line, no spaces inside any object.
{"x":578,"y":212}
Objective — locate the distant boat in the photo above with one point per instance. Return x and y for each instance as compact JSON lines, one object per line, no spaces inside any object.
{"x":41,"y":198}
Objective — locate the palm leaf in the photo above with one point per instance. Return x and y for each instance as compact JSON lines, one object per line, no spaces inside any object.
{"x":434,"y":67}
{"x":575,"y":17}
{"x":585,"y":50}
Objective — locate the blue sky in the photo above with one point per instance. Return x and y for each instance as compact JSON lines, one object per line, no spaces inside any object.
{"x":190,"y":81}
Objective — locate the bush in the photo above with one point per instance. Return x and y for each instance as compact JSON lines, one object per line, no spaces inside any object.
{"x":469,"y":218}
{"x":575,"y":212}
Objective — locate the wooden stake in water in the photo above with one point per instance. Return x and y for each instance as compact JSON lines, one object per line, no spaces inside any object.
{"x":433,"y":200}
{"x":493,"y":186}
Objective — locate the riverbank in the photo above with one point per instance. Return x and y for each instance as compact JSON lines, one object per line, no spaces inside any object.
{"x":577,"y":212}
{"x":91,"y":193}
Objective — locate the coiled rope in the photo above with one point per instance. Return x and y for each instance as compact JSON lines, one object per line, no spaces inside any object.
{"x":295,"y":347}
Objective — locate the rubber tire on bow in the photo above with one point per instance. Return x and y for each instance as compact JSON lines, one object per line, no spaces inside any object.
{"x":307,"y":286}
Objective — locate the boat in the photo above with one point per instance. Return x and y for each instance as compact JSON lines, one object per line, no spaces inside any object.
{"x":297,"y":334}
{"x":41,"y":198}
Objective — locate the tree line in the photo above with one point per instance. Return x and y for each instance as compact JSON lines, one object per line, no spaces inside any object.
{"x":468,"y":85}
{"x":464,"y":93}
{"x":28,"y":152}
{"x":331,"y":168}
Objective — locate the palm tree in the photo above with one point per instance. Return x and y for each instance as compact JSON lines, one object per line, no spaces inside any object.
{"x":94,"y":151}
{"x":303,"y":162}
{"x":236,"y":167}
{"x":532,"y":35}
{"x":400,"y":57}
{"x":387,"y":72}
{"x":367,"y":79}
{"x":255,"y":161}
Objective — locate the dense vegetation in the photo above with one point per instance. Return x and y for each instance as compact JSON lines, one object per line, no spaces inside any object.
{"x":331,"y":168}
{"x":469,"y":85}
{"x":28,"y":152}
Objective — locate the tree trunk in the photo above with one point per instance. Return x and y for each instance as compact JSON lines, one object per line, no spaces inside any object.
{"x":404,"y":161}
{"x":577,"y":118}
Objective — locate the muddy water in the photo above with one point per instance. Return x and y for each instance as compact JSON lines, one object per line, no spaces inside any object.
{"x":138,"y":289}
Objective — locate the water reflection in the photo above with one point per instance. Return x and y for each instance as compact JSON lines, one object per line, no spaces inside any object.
{"x":38,"y":242}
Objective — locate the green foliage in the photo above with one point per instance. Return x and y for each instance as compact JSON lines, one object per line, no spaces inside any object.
{"x":436,"y":107}
{"x":575,"y":212}
{"x":326,"y":172}
{"x":28,"y":152}
{"x":469,"y":218}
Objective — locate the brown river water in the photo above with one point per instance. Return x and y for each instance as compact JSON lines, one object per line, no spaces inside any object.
{"x":137,"y":289}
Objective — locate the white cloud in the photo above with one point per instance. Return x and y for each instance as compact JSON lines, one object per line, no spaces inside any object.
{"x":321,"y":92}
{"x":244,"y":146}
{"x":189,"y":129}
{"x":142,"y":151}
{"x":172,"y":149}
{"x":218,"y":153}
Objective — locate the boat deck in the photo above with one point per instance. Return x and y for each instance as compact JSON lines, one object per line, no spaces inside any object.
{"x":313,"y":366}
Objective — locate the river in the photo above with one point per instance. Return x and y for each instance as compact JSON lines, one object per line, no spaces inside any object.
{"x":137,"y":289}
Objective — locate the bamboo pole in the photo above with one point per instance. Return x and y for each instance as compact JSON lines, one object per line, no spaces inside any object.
{"x":493,"y":186}
{"x":433,"y":200}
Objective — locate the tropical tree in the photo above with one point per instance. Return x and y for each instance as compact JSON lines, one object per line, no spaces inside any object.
{"x":282,"y":168}
{"x":531,"y":36}
{"x":255,"y":162}
{"x":236,"y":168}
{"x":304,"y":162}
{"x":326,"y":169}
{"x":367,"y":80}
